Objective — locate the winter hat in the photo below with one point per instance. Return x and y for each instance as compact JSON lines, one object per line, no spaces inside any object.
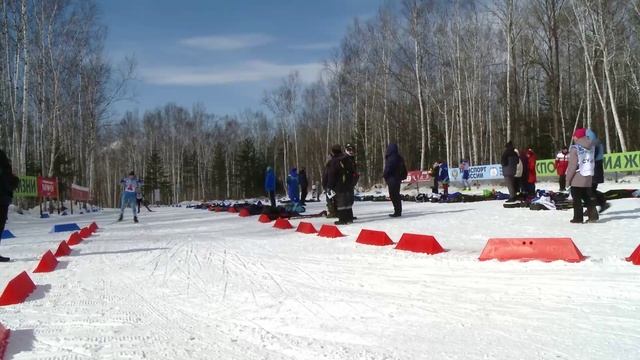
{"x":131,"y":173}
{"x":336,"y":149}
{"x":580,"y":133}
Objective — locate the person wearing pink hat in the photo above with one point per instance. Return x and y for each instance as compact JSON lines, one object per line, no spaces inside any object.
{"x":579,"y":176}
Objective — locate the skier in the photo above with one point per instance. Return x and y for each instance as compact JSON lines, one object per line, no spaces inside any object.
{"x":580,"y":176}
{"x":270,"y":186}
{"x":141,"y":202}
{"x":598,"y":175}
{"x":464,"y":170}
{"x":340,"y":175}
{"x":304,"y":185}
{"x":8,"y":184}
{"x":395,"y":171}
{"x":350,"y":156}
{"x":509,"y":162}
{"x":332,"y":212}
{"x":443,"y":177}
{"x":293,"y":187}
{"x":562,"y":161}
{"x":531,"y":172}
{"x":130,"y":185}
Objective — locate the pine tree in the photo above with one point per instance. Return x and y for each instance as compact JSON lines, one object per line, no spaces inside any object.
{"x":155,"y":178}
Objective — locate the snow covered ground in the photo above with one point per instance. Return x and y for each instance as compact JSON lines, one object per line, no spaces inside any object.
{"x":193,"y":284}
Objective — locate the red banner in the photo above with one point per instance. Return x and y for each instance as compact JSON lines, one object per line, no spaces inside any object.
{"x":80,"y":193}
{"x":47,"y":187}
{"x":417,"y":175}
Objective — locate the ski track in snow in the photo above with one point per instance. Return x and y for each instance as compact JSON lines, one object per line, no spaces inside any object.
{"x":193,"y":284}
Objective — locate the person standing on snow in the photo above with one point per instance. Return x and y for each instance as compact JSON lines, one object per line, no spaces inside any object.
{"x":130,"y":186}
{"x":340,"y":175}
{"x":580,"y":176}
{"x":598,"y":175}
{"x":464,"y":170}
{"x":562,"y":161}
{"x":270,"y":185}
{"x":434,"y":172}
{"x":443,"y":177}
{"x":395,"y":171}
{"x":293,"y":187}
{"x":350,"y":156}
{"x":8,"y":184}
{"x":531,"y":172}
{"x":304,"y":185}
{"x":509,"y":162}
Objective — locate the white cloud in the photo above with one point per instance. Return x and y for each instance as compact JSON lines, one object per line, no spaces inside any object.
{"x":252,"y":71}
{"x":227,"y":42}
{"x":314,"y":46}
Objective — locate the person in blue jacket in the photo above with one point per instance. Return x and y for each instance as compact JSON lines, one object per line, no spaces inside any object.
{"x":395,"y":171}
{"x":598,"y":175}
{"x":270,"y":185}
{"x":443,"y":176}
{"x":130,"y":186}
{"x":293,"y":186}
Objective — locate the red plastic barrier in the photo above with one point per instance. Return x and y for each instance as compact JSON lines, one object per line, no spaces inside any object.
{"x":635,"y":256}
{"x":47,"y":263}
{"x":374,"y":237}
{"x":85,"y":232}
{"x":217,"y":209}
{"x":282,"y":224}
{"x":524,"y":249}
{"x":419,"y":243}
{"x":244,"y":212}
{"x":17,"y":290}
{"x":264,"y":218}
{"x":74,"y":239}
{"x":63,"y":250}
{"x":232,"y":210}
{"x":93,"y":227}
{"x":4,"y":340}
{"x":306,"y":228}
{"x":330,"y":231}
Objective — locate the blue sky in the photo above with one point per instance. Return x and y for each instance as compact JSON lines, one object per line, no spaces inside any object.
{"x":223,"y":54}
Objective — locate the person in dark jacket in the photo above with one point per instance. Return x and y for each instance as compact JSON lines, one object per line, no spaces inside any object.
{"x":580,"y":176}
{"x":332,"y":212}
{"x":304,"y":185}
{"x":522,"y":179}
{"x":350,"y":155}
{"x":8,"y":184}
{"x":395,"y":171}
{"x":598,"y":175}
{"x":340,"y":174}
{"x":270,"y":185}
{"x":509,"y":162}
{"x":435,"y":172}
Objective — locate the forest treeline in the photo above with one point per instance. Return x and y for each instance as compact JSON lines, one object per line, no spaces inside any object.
{"x":443,"y":79}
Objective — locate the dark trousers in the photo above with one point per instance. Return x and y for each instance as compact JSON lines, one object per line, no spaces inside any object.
{"x":303,"y":195}
{"x":396,"y":200}
{"x":511,"y":186}
{"x":4,"y":213}
{"x":139,"y":201}
{"x":599,"y":196}
{"x":272,"y":197}
{"x":344,"y":203}
{"x":563,"y":182}
{"x":580,"y":196}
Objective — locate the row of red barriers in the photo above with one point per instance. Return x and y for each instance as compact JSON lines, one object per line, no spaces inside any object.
{"x":20,"y":287}
{"x":502,"y":249}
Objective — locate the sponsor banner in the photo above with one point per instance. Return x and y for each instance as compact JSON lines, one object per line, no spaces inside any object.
{"x":616,"y":162}
{"x":28,"y":187}
{"x":47,"y":187}
{"x":80,"y":193}
{"x":480,"y":172}
{"x":417,"y":175}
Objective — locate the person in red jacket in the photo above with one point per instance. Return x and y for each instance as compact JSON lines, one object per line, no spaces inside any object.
{"x":562,"y":162}
{"x":531,"y":172}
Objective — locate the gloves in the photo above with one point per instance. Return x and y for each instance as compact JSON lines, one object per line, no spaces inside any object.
{"x":330,"y":194}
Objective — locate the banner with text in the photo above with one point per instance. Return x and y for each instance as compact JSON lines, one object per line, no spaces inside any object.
{"x":47,"y":187}
{"x":28,"y":187}
{"x":615,"y":162}
{"x":80,"y":193}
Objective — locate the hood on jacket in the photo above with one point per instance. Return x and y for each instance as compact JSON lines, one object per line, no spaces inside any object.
{"x":592,"y":135}
{"x":392,"y":149}
{"x":293,"y":172}
{"x":509,"y":145}
{"x":530,"y":153}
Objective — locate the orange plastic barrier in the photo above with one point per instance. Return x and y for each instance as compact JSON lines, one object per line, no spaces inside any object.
{"x":330,"y":231}
{"x":374,"y":237}
{"x":306,"y":228}
{"x":426,"y":244}
{"x":524,"y":249}
{"x":635,"y":256}
{"x":85,"y":232}
{"x":264,"y":218}
{"x":282,"y":224}
{"x":47,"y":263}
{"x":18,"y":290}
{"x":244,"y":212}
{"x":63,"y":250}
{"x":232,"y":210}
{"x":94,"y":227}
{"x":4,"y":340}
